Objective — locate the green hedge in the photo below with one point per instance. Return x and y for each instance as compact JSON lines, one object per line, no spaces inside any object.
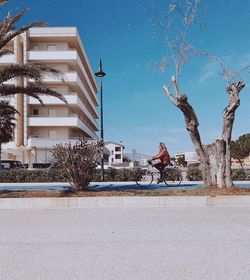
{"x":116,"y":175}
{"x":194,"y":173}
{"x":54,"y":175}
{"x":30,"y":176}
{"x":240,"y":174}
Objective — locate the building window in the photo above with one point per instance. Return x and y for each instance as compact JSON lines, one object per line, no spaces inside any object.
{"x":52,"y":112}
{"x":35,"y":112}
{"x":35,"y":48}
{"x":51,"y":47}
{"x":112,"y":159}
{"x":118,"y":156}
{"x":118,"y":149}
{"x":112,"y":152}
{"x":52,"y":134}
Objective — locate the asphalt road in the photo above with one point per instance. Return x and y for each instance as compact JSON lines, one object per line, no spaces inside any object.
{"x":125,"y":243}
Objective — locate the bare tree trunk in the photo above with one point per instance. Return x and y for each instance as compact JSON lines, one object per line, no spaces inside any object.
{"x":229,"y":115}
{"x":192,"y":123}
{"x":216,"y":154}
{"x":215,"y":159}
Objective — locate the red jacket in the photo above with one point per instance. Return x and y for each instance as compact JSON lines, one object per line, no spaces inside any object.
{"x":163,"y":156}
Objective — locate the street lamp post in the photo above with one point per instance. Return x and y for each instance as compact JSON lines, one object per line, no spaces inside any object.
{"x":100,"y":74}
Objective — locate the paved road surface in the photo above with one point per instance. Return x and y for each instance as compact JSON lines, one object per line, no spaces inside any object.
{"x":125,"y":243}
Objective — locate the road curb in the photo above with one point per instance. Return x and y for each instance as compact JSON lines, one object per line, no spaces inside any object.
{"x":124,"y":201}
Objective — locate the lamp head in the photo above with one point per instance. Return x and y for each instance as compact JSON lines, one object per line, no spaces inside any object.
{"x":100,"y":72}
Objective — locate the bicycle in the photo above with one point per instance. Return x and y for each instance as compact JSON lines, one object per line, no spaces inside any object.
{"x":171,"y":176}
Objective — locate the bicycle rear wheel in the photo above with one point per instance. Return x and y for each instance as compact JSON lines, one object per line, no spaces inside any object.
{"x":172,"y":177}
{"x":144,"y":178}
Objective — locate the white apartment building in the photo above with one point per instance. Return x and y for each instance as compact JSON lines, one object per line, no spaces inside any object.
{"x":189,"y":157}
{"x":115,"y":151}
{"x":39,"y":127}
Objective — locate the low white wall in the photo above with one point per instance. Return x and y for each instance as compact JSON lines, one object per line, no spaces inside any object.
{"x":110,"y":202}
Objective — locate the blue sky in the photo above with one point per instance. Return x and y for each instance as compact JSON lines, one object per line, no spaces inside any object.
{"x":124,"y":35}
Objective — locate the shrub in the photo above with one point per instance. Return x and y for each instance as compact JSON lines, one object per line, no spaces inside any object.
{"x":30,"y":176}
{"x":116,"y":175}
{"x":239,"y":174}
{"x":55,"y":175}
{"x":76,"y":163}
{"x":194,"y":173}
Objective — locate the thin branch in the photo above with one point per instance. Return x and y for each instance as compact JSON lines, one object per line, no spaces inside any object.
{"x":169,"y":95}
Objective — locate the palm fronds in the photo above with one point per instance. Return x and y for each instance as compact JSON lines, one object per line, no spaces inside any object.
{"x":3,"y":2}
{"x":5,"y":51}
{"x":8,"y":31}
{"x":30,"y":90}
{"x":7,"y":124}
{"x":35,"y":71}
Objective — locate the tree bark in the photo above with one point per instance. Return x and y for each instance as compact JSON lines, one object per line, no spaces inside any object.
{"x":229,"y":116}
{"x":192,"y":123}
{"x":215,"y":159}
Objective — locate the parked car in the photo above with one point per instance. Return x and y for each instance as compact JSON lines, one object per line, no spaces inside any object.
{"x":11,"y":164}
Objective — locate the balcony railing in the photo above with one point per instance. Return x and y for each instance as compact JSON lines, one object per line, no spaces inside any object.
{"x":71,"y":120}
{"x":70,"y":115}
{"x":67,"y":55}
{"x":53,"y":55}
{"x":8,"y":58}
{"x":71,"y":77}
{"x":43,"y":142}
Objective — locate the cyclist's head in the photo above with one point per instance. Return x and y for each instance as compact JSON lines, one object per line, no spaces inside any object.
{"x":162,"y":145}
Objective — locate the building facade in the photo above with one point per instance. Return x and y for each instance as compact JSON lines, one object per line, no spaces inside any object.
{"x":244,"y":162}
{"x":39,"y":128}
{"x":189,"y":157}
{"x":115,"y":152}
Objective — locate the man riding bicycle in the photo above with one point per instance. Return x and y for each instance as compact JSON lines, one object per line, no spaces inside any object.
{"x":161,"y":160}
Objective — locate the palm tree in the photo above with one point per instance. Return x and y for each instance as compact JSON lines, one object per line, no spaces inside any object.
{"x":7,"y":123}
{"x":35,"y":71}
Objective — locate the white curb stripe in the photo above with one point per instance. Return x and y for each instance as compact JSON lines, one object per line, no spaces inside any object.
{"x":123,"y":201}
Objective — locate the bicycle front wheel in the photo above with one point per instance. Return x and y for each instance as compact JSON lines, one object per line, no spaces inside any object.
{"x":144,"y":178}
{"x":172,"y":177}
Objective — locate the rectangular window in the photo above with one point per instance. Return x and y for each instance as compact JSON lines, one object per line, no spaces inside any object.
{"x":118,"y":156}
{"x":52,"y":134}
{"x":51,"y":47}
{"x":35,"y":112}
{"x":118,"y":149}
{"x":35,"y":133}
{"x":52,"y":112}
{"x":35,"y":48}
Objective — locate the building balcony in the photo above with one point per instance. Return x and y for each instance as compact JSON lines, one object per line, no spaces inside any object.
{"x":63,"y":56}
{"x":39,"y":142}
{"x":52,"y":56}
{"x":71,"y":78}
{"x":72,"y":120}
{"x":9,"y":145}
{"x":72,"y":99}
{"x":7,"y":59}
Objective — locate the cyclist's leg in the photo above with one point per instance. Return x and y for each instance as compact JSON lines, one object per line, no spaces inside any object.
{"x":160,"y":167}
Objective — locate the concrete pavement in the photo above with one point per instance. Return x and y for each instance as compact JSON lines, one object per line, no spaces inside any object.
{"x":125,"y":243}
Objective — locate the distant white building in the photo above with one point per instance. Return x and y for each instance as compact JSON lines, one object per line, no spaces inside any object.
{"x":116,"y":152}
{"x":189,"y":157}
